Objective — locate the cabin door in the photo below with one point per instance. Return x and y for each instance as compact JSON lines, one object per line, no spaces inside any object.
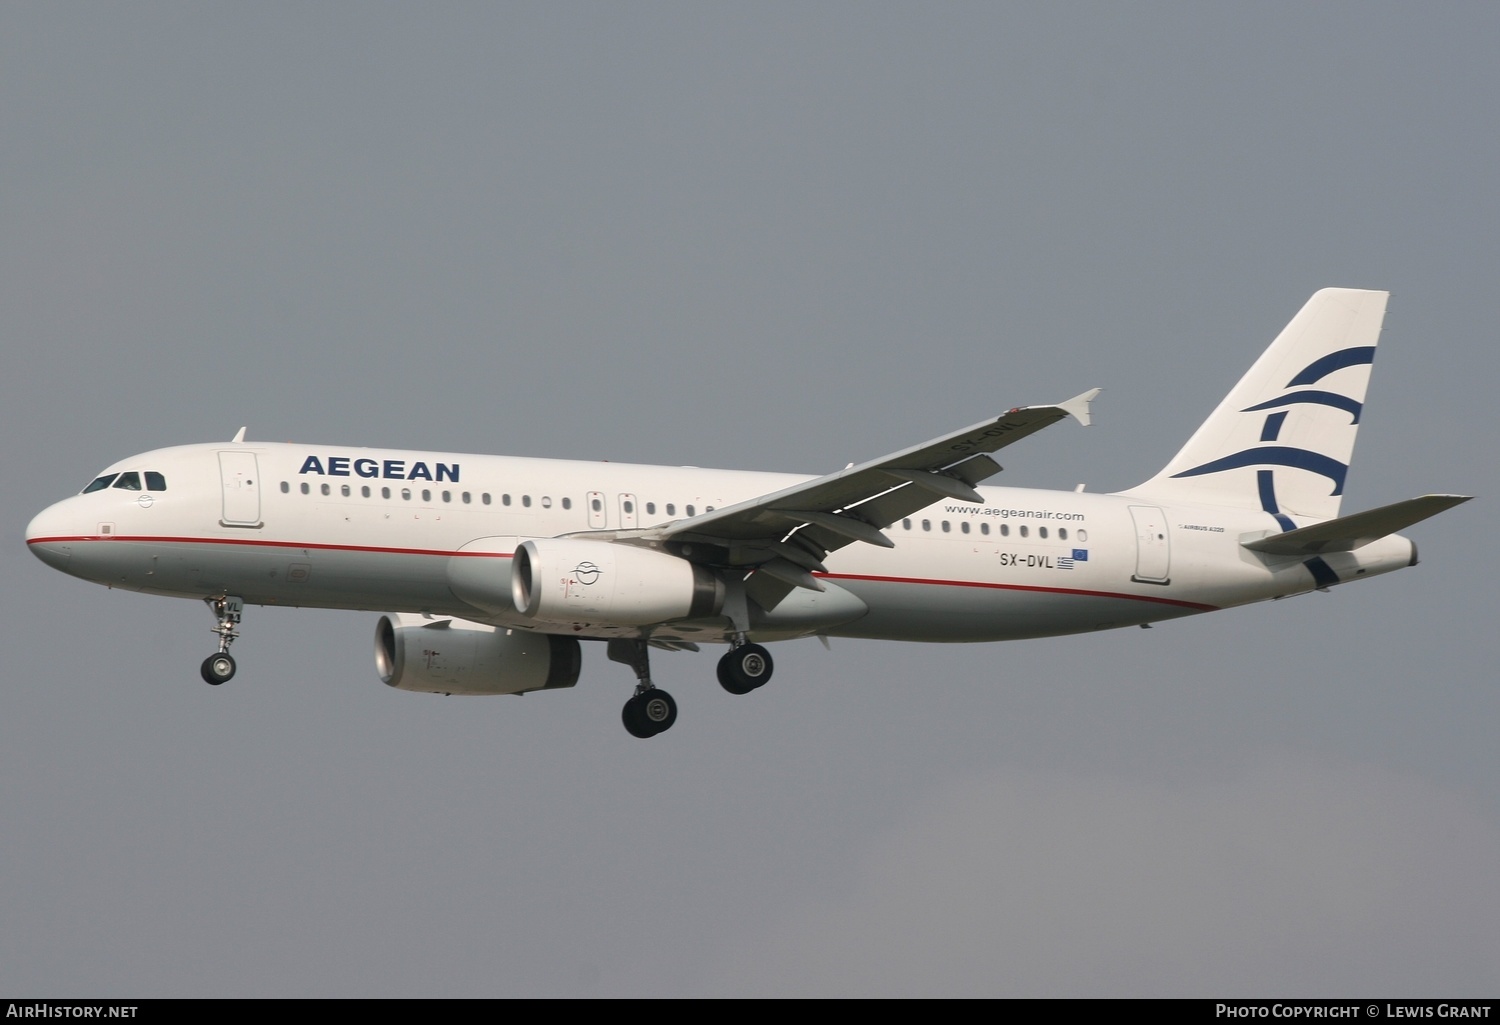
{"x":1153,"y":553}
{"x":241,"y":481}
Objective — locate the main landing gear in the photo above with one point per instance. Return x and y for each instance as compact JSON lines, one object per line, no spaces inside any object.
{"x":219,"y":668}
{"x":651,"y":710}
{"x":745,"y":667}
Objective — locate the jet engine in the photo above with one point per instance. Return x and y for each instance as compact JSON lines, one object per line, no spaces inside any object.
{"x":451,"y":656}
{"x":568,"y":580}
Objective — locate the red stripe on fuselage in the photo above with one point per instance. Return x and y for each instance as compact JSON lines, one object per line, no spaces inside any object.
{"x":257,"y":543}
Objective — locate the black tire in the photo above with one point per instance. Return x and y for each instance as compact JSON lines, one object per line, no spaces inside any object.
{"x":218,"y":668}
{"x":745,"y":668}
{"x":728,"y":680}
{"x":635,"y":720}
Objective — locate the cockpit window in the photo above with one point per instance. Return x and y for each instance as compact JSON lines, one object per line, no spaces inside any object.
{"x":99,"y":484}
{"x":155,"y":481}
{"x":129,"y":481}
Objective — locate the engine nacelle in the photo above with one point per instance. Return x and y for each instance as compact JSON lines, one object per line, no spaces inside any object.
{"x":567,"y":580}
{"x":451,"y":656}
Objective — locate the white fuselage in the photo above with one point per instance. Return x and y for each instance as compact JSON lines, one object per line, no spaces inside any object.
{"x":401,"y":531}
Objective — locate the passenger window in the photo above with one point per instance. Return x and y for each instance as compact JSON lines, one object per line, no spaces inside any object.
{"x":671,"y":509}
{"x":964,"y":526}
{"x":485,"y":498}
{"x":384,"y":492}
{"x":984,"y":528}
{"x":546,"y":502}
{"x":1005,"y":530}
{"x":344,"y":490}
{"x":155,"y":481}
{"x":466,"y":498}
{"x":1083,"y":535}
{"x":926,"y":524}
{"x":406,"y":494}
{"x":690,"y":511}
{"x":629,"y":507}
{"x":286,"y":488}
{"x":129,"y":481}
{"x":306,"y":490}
{"x":1024,"y":530}
{"x":945,"y":526}
{"x":365,"y":491}
{"x":567,"y":503}
{"x":1041,"y":532}
{"x":1062,"y":533}
{"x":99,"y":483}
{"x":325,"y":489}
{"x":447,"y":496}
{"x":650,"y":508}
{"x":906,"y":524}
{"x":426,"y":495}
{"x":526,"y":501}
{"x":504,"y":500}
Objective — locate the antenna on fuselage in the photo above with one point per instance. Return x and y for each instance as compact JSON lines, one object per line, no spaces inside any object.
{"x":239,"y":436}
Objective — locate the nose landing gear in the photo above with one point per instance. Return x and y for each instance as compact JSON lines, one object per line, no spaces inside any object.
{"x":219,"y":668}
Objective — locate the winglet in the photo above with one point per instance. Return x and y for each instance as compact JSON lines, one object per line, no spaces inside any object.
{"x":239,"y":436}
{"x":1078,"y":405}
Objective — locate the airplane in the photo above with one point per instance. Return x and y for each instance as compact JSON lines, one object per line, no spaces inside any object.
{"x":491,"y":570}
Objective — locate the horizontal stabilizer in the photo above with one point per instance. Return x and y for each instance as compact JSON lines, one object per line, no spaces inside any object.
{"x":1350,"y":532}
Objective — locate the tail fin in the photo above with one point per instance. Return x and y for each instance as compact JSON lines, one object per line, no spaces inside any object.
{"x":1282,"y":439}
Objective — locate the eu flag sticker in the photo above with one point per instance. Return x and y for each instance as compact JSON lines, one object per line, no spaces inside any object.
{"x":1080,"y":555}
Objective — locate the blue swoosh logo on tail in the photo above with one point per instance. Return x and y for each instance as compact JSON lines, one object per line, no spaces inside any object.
{"x":1277,"y":455}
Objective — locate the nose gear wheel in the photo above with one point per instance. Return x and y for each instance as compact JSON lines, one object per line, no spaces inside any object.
{"x":218,"y":668}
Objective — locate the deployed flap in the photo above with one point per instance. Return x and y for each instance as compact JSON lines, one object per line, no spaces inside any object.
{"x":1350,"y":532}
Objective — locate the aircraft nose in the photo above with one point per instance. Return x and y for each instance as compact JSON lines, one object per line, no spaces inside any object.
{"x":48,"y":538}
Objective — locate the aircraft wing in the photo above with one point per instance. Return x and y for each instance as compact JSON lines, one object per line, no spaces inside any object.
{"x":784,"y":536}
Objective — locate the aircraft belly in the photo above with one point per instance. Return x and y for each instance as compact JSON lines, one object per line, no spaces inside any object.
{"x":962,"y":613}
{"x":271,"y":575}
{"x":806,"y":612}
{"x":118,"y":564}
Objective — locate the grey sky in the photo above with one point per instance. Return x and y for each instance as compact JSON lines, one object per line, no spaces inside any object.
{"x":775,"y":236}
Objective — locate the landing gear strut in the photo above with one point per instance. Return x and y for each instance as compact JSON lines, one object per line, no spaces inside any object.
{"x":219,"y":667}
{"x":651,"y":710}
{"x":745,"y":667}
